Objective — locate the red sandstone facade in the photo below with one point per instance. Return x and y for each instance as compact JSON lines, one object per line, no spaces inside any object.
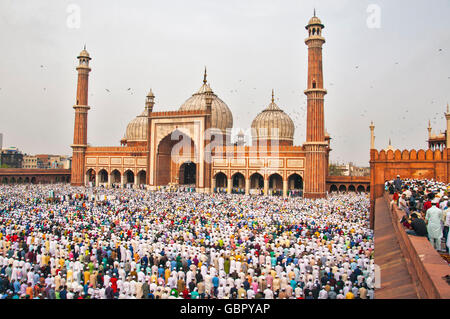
{"x":81,"y":116}
{"x":34,"y":176}
{"x":315,"y":146}
{"x":414,"y":164}
{"x":279,"y":168}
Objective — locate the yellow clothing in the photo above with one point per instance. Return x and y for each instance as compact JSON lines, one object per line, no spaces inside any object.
{"x":87,"y":275}
{"x":167,"y":274}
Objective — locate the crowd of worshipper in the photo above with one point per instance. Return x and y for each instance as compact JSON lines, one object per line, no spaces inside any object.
{"x":64,"y":242}
{"x":427,"y":209}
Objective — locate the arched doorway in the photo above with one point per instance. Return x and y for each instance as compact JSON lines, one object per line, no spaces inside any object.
{"x":275,"y":185}
{"x":368,"y":189}
{"x":221,"y":183}
{"x":4,"y":181}
{"x":175,"y":150}
{"x":188,"y":174}
{"x":12,"y":180}
{"x":352,"y":188}
{"x":142,"y":177}
{"x":33,"y":180}
{"x":103,"y":177}
{"x":333,"y":189}
{"x":295,"y":185}
{"x":342,"y":189}
{"x":238,"y":181}
{"x":116,"y":177}
{"x":361,"y":189}
{"x":129,"y":178}
{"x":27,"y":180}
{"x":19,"y":180}
{"x":256,"y":184}
{"x":90,"y":177}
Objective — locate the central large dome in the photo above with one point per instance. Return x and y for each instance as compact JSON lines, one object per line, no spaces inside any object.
{"x":221,"y":117}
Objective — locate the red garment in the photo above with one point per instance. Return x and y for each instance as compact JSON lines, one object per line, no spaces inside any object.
{"x":113,"y":281}
{"x":427,"y":205}
{"x":396,"y":196}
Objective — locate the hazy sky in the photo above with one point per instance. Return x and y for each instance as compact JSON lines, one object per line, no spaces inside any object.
{"x":397,"y":75}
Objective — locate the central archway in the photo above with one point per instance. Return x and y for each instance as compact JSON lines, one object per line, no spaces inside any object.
{"x":188,"y":174}
{"x":174,"y":151}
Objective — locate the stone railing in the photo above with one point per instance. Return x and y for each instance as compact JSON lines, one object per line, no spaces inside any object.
{"x":426,"y":263}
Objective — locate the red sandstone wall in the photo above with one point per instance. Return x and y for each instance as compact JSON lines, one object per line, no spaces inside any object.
{"x":427,"y":265}
{"x":412,"y":164}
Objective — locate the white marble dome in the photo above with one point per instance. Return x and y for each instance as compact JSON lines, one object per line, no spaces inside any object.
{"x":273,"y":124}
{"x":137,"y":128}
{"x":221,"y":116}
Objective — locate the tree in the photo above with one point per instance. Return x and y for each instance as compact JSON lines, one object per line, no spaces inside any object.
{"x":334,"y":170}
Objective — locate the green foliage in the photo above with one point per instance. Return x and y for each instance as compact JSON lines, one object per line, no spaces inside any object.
{"x":334,"y":170}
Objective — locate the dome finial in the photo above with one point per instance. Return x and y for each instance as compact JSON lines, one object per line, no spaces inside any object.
{"x":273,"y":96}
{"x":314,"y":11}
{"x":204,"y":76}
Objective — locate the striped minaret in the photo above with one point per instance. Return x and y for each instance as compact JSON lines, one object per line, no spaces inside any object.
{"x":315,"y":146}
{"x":81,"y":120}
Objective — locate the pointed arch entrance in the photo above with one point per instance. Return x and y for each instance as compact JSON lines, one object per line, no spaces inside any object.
{"x":238,"y":181}
{"x":142,"y":177}
{"x":275,"y":184}
{"x":176,"y":160}
{"x":295,"y":185}
{"x":188,"y":173}
{"x":256,"y":183}
{"x":90,"y":177}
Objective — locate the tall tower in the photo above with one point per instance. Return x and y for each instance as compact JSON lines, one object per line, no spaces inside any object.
{"x":315,"y":146}
{"x":447,"y":132}
{"x":81,"y":117}
{"x":149,"y":104}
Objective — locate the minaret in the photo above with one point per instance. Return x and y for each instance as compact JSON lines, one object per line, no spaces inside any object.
{"x":429,"y":129}
{"x":149,"y":104}
{"x":315,"y":146}
{"x":81,"y":117}
{"x":372,"y":136}
{"x":208,"y":157}
{"x":447,"y":132}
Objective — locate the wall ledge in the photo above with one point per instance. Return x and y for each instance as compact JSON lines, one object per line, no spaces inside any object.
{"x":426,"y":263}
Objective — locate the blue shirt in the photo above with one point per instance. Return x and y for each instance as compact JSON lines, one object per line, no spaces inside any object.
{"x":215,"y":281}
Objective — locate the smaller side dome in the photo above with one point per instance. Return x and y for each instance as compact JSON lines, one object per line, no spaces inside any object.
{"x":273,"y":126}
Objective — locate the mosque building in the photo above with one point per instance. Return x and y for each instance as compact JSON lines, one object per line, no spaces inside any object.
{"x":192,"y":146}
